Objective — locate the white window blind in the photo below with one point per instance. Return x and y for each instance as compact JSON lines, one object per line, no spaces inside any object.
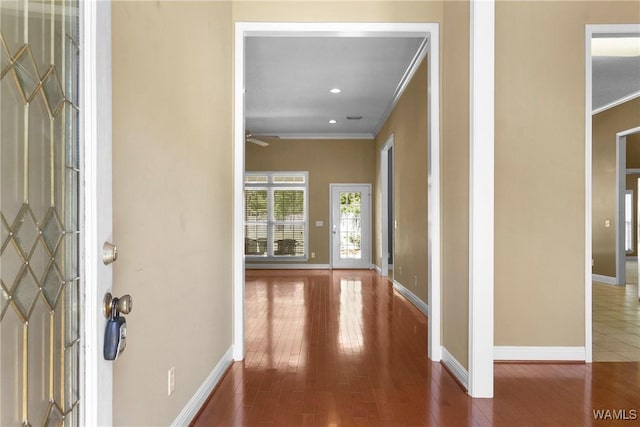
{"x":275,"y":215}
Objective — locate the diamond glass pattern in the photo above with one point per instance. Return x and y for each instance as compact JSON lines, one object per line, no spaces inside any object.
{"x":5,"y":57}
{"x":25,"y":230}
{"x":4,"y":233}
{"x":39,"y":261}
{"x":54,"y":417}
{"x":4,"y":299}
{"x":51,"y":285}
{"x":52,"y":231}
{"x":25,"y":293}
{"x":27,"y":74}
{"x":52,"y":91}
{"x":10,"y":265}
{"x":39,"y":170}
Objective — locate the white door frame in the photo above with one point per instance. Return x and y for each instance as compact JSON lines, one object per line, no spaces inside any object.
{"x":366,"y":254}
{"x":95,"y":201}
{"x":621,"y":182}
{"x":384,"y":214}
{"x":590,"y":31}
{"x":244,"y":29}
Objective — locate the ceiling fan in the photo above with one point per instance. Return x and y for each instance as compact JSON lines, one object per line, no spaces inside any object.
{"x":259,"y":139}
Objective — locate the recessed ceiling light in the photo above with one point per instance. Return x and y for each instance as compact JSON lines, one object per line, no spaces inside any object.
{"x":333,"y":122}
{"x":335,"y":90}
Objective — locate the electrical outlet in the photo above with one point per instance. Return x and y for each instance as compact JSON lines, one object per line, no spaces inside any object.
{"x":171,"y":381}
{"x":415,"y":281}
{"x":399,"y":271}
{"x":313,"y":254}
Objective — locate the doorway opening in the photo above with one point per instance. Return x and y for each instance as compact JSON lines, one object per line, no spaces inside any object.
{"x":386,"y":211}
{"x":605,"y":255}
{"x":430,"y":32}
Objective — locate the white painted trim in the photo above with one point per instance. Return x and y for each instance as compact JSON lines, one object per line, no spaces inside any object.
{"x":96,"y":383}
{"x":526,"y":353}
{"x":632,"y":171}
{"x":379,"y":270}
{"x":411,"y":297}
{"x":590,"y":31}
{"x":456,"y":368}
{"x":404,"y":82}
{"x":627,"y":133}
{"x":384,"y":205}
{"x":481,"y":197}
{"x":238,"y":194}
{"x":201,"y":395}
{"x":269,"y":266}
{"x":617,"y":102}
{"x":604,"y":279}
{"x":621,"y":185}
{"x":352,"y":135}
{"x":306,"y":29}
{"x":631,"y":258}
{"x":434,"y":236}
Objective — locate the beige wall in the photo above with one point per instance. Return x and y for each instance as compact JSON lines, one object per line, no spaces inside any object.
{"x":327,"y":161}
{"x":172,"y":198}
{"x":338,"y":11}
{"x":172,"y":77}
{"x":539,"y":175}
{"x":605,"y":127}
{"x":408,"y":124}
{"x":455,"y":181}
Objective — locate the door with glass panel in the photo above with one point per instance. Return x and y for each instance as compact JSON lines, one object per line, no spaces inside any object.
{"x":350,"y":225}
{"x":39,"y":192}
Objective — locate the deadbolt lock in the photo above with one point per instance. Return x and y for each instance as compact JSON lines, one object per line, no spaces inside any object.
{"x":109,"y":253}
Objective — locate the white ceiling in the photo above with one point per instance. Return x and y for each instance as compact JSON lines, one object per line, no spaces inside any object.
{"x":288,"y":79}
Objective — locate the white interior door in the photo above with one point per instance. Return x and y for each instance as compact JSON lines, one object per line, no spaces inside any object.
{"x":49,"y":177}
{"x":350,"y":225}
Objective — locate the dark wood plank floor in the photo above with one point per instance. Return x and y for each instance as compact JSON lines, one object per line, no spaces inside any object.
{"x":342,"y":348}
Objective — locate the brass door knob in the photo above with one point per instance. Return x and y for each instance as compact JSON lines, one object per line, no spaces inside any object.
{"x":123,"y":305}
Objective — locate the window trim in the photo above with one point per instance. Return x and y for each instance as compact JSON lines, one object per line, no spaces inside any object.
{"x":271,"y":186}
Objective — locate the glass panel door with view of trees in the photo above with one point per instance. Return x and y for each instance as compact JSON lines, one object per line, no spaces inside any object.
{"x":275,"y":215}
{"x":351,"y":225}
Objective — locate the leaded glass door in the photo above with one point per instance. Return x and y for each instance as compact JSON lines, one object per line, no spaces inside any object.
{"x":39,"y":184}
{"x":351,"y":226}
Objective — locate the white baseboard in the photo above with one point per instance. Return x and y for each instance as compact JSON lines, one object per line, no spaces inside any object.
{"x":513,"y":353}
{"x":378,"y":269}
{"x":202,"y":394}
{"x":604,"y":279}
{"x":257,"y":266}
{"x":413,"y":299}
{"x":456,"y":368}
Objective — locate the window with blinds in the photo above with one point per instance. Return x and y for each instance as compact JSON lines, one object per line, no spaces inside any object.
{"x":275,"y":215}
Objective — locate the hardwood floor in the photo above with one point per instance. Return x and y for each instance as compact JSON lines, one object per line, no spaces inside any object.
{"x":341,"y":348}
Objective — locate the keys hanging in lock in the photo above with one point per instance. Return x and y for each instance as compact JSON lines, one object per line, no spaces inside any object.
{"x":115,"y":334}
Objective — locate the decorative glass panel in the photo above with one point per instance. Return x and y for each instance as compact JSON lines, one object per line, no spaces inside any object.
{"x":39,"y":184}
